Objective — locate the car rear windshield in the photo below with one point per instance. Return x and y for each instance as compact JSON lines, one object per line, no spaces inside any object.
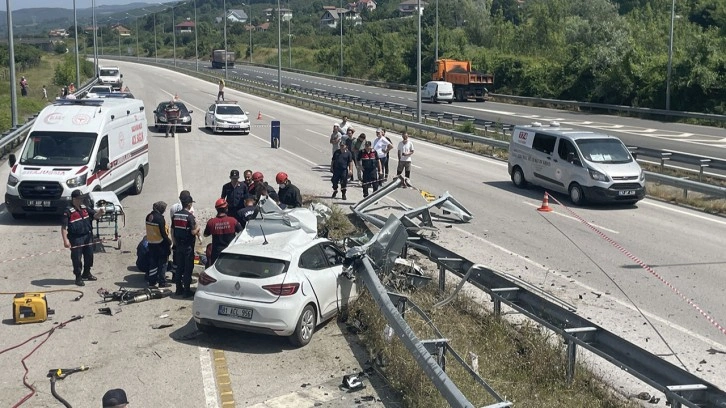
{"x":229,"y":110}
{"x":607,"y":151}
{"x":248,"y":266}
{"x":109,"y":72}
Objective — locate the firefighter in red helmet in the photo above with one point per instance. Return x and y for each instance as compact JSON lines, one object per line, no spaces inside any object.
{"x":288,"y":193}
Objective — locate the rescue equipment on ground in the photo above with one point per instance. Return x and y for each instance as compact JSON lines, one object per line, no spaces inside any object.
{"x":125,"y":297}
{"x":30,"y":307}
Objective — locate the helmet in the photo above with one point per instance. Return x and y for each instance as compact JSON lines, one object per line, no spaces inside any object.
{"x":281,"y":177}
{"x":257,"y":176}
{"x":220,"y":203}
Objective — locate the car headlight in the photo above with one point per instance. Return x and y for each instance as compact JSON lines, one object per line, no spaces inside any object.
{"x":185,"y":120}
{"x":77,"y":181}
{"x":12,"y":180}
{"x":221,"y":120}
{"x":642,"y":175}
{"x":246,"y":121}
{"x":162,"y":118}
{"x":596,"y":175}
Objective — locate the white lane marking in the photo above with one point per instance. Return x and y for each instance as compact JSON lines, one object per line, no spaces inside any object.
{"x":177,"y":164}
{"x":683,"y":212}
{"x":591,"y":289}
{"x":575,"y":219}
{"x":210,"y":388}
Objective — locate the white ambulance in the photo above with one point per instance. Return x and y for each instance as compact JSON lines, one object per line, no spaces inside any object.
{"x":85,"y":144}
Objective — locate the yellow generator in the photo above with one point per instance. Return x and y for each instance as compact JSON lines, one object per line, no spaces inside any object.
{"x":30,"y":308}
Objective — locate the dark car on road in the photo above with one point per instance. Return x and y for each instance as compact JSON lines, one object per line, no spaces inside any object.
{"x":185,"y":117}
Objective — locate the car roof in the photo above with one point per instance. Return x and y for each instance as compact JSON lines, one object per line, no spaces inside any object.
{"x":178,"y":103}
{"x":280,"y":245}
{"x":568,"y":133}
{"x":227,"y":103}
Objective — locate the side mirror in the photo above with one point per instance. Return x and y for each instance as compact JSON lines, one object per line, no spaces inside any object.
{"x":191,"y":111}
{"x":103,"y":163}
{"x":154,"y":111}
{"x":121,"y":76}
{"x":12,"y":159}
{"x":247,"y":113}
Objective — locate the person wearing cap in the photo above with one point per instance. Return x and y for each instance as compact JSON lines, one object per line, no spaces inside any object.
{"x":157,"y":234}
{"x":234,"y":192}
{"x":288,"y":193}
{"x":342,"y":167}
{"x":115,"y":398}
{"x":185,"y":232}
{"x":175,"y":208}
{"x":371,"y":168}
{"x":222,"y":228}
{"x":249,"y":212}
{"x":77,"y":234}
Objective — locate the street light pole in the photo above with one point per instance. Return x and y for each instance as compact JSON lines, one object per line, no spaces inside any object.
{"x":226,"y":57}
{"x":279,"y":50}
{"x":250,"y":27}
{"x":118,"y":30}
{"x":95,"y":34}
{"x":156,"y":54}
{"x":418,"y":65}
{"x":11,"y":64}
{"x":196,"y":41}
{"x":75,"y":33}
{"x":173,"y":33}
{"x":289,"y":45}
{"x":340,"y":20}
{"x":436,"y":56}
{"x":670,"y":57}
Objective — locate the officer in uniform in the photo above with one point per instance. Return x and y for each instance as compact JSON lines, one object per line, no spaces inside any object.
{"x":172,"y":112}
{"x":159,"y":245}
{"x":222,"y":228}
{"x":185,"y":232}
{"x":234,"y":192}
{"x":77,"y":233}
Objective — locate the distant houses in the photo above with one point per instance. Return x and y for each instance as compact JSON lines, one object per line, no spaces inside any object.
{"x":332,"y":16}
{"x":185,"y":27}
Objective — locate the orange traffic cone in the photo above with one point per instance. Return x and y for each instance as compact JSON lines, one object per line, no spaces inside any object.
{"x":545,"y":204}
{"x":259,"y":115}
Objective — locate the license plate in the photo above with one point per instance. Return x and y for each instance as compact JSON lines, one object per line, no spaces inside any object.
{"x":238,"y":312}
{"x":234,"y":126}
{"x":38,"y":203}
{"x":626,"y":192}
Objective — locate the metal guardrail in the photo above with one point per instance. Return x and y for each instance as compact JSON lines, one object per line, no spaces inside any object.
{"x":10,"y":139}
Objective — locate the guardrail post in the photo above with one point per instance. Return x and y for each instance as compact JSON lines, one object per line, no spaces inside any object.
{"x":442,"y":279}
{"x":437,"y":348}
{"x":704,"y":163}
{"x":663,"y":157}
{"x":681,"y":388}
{"x":571,"y":356}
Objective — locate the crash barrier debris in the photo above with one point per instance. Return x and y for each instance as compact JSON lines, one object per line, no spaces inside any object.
{"x":680,"y":387}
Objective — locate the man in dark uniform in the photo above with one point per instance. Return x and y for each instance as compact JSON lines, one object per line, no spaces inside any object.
{"x":185,"y":232}
{"x":222,"y":228}
{"x":258,"y":179}
{"x":371,"y":168}
{"x":249,"y":212}
{"x":234,"y":192}
{"x":77,"y":233}
{"x":289,"y":194}
{"x":342,"y":167}
{"x":159,"y":245}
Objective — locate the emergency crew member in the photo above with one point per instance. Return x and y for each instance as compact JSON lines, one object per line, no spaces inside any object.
{"x":289,"y":194}
{"x":175,"y":208}
{"x":172,"y":113}
{"x":222,"y":228}
{"x":342,"y":167}
{"x":234,"y":192}
{"x":371,"y":168}
{"x":248,"y":181}
{"x":157,"y":233}
{"x":185,"y":232}
{"x":77,"y":233}
{"x":249,"y":212}
{"x":259,"y":179}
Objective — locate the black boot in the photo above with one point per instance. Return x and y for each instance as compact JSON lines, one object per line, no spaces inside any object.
{"x":343,"y":196}
{"x":188,"y":292}
{"x":88,"y":277}
{"x":79,"y":281}
{"x":179,"y":290}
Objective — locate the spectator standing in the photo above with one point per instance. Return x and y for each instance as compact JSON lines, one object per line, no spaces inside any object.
{"x":159,"y":245}
{"x":342,"y":166}
{"x":23,"y":86}
{"x":288,"y":193}
{"x":234,"y":192}
{"x":356,"y":149}
{"x":220,"y":94}
{"x":185,"y":232}
{"x":45,"y":93}
{"x":388,"y":155}
{"x":172,"y":113}
{"x":405,"y":151}
{"x":381,"y":146}
{"x":348,"y":139}
{"x":371,"y":168}
{"x":344,"y":124}
{"x":71,"y":88}
{"x":222,"y":228}
{"x":335,"y":139}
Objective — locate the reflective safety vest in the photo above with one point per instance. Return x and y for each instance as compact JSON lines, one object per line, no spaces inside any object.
{"x":156,"y":228}
{"x":79,"y":221}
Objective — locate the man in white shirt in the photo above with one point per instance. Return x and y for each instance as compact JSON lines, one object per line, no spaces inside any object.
{"x":405,"y":151}
{"x":381,"y":146}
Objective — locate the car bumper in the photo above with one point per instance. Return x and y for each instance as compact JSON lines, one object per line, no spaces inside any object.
{"x":614,"y":193}
{"x":17,"y":205}
{"x":279,"y":318}
{"x":231,"y":127}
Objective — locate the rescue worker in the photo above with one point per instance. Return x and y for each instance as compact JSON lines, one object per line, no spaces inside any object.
{"x":185,"y":232}
{"x":342,"y":167}
{"x":249,"y":212}
{"x":175,"y":208}
{"x":248,"y":181}
{"x":288,"y":193}
{"x":259,"y":179}
{"x":77,"y":233}
{"x":234,"y":192}
{"x":157,"y":233}
{"x":222,"y":228}
{"x":371,"y":168}
{"x":172,"y":113}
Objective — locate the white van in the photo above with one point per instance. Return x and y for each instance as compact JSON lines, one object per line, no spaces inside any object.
{"x":111,"y":76}
{"x":85,"y":144}
{"x":588,"y":166}
{"x":437,"y":91}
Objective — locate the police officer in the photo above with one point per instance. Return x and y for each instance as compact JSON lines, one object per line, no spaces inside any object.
{"x":371,"y":168}
{"x":185,"y":232}
{"x":288,"y":193}
{"x":159,"y":245}
{"x":172,"y":113}
{"x":234,"y":192}
{"x":222,"y":228}
{"x":77,"y":233}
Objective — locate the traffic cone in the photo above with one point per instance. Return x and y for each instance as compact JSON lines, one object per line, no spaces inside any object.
{"x":259,"y":115}
{"x":545,"y":204}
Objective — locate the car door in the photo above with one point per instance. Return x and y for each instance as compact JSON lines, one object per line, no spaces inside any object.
{"x":209,"y":118}
{"x":543,"y":167}
{"x":347,"y":288}
{"x":425,"y":91}
{"x":570,"y":163}
{"x":321,"y":278}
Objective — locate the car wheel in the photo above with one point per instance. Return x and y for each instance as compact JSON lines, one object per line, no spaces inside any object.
{"x":305,"y":327}
{"x":518,"y":177}
{"x":450,"y":102}
{"x":18,"y":216}
{"x":577,"y":196}
{"x":138,"y":183}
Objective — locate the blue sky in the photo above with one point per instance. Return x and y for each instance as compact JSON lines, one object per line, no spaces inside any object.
{"x":18,"y":4}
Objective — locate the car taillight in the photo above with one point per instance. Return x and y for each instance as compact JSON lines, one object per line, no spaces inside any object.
{"x":205,"y":279}
{"x":282,"y":289}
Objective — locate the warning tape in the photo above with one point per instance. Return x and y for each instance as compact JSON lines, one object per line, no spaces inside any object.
{"x":644,"y":266}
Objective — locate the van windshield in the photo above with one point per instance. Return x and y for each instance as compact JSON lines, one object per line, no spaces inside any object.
{"x":606,"y":151}
{"x":109,"y":72}
{"x":58,"y":149}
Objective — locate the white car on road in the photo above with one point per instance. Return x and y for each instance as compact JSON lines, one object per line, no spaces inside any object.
{"x":276,"y":279}
{"x":227,"y":116}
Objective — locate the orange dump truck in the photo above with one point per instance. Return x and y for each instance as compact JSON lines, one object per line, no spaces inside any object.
{"x":468,"y":84}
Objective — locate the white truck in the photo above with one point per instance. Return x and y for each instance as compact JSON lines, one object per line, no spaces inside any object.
{"x":111,"y":76}
{"x":85,"y":144}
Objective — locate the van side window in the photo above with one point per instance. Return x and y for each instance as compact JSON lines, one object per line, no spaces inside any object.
{"x":565,"y":148}
{"x":544,"y":143}
{"x":102,"y":150}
